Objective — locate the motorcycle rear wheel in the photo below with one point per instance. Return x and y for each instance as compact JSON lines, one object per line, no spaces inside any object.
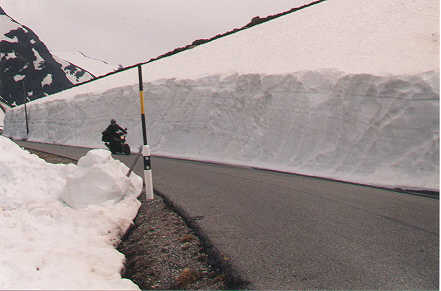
{"x":126,"y":149}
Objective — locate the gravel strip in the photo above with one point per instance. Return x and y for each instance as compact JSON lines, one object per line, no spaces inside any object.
{"x":161,"y":251}
{"x":50,"y":158}
{"x":164,"y":253}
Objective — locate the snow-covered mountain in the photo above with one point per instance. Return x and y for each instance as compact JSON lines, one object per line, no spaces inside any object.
{"x":27,"y":68}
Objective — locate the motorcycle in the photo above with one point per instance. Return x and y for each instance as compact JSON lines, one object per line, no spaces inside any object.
{"x":116,"y":143}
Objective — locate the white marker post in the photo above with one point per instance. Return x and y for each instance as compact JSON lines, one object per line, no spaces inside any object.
{"x":145,"y":149}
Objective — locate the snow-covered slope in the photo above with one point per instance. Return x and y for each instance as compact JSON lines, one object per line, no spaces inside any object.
{"x":27,"y":68}
{"x":95,"y":66}
{"x":363,"y":36}
{"x":375,"y":119}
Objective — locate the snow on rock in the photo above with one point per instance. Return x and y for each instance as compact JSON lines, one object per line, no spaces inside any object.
{"x":18,"y":77}
{"x":73,"y":73}
{"x":11,"y":55}
{"x":380,"y":130}
{"x":47,"y":80}
{"x":38,"y":60}
{"x":51,"y":245}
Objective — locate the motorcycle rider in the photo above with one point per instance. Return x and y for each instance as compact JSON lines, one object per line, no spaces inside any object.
{"x":112,"y":131}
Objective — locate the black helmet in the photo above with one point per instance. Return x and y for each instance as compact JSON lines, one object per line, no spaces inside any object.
{"x":112,"y":121}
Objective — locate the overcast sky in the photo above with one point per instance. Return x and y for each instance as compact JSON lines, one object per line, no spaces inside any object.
{"x":127,"y":32}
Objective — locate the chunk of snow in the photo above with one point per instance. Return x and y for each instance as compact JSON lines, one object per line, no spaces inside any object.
{"x":38,"y":61}
{"x":19,"y":77}
{"x":12,"y":39}
{"x":10,"y":55}
{"x":47,"y":80}
{"x":101,"y":176}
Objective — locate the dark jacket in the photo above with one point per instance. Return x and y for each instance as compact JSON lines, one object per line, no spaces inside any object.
{"x":113,"y":128}
{"x":111,"y":133}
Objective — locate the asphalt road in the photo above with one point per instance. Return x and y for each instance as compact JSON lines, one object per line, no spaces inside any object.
{"x":282,"y":231}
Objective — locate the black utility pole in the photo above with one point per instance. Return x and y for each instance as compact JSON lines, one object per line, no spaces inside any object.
{"x":25,"y":97}
{"x":141,"y":100}
{"x":145,"y":149}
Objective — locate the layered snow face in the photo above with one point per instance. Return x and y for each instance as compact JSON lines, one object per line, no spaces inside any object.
{"x":51,"y":245}
{"x":381,"y":130}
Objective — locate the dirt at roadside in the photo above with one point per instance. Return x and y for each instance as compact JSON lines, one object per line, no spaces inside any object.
{"x":161,"y":251}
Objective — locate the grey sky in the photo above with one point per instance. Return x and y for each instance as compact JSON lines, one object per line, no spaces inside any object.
{"x":126,"y":32}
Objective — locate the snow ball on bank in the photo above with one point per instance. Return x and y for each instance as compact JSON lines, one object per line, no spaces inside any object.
{"x":101,"y":179}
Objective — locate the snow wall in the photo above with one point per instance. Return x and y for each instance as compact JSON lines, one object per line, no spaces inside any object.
{"x":381,"y":130}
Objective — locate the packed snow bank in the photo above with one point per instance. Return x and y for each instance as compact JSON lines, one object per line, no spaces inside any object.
{"x":48,"y":245}
{"x":381,"y":130}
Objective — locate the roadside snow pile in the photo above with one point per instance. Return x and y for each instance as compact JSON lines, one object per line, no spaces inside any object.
{"x":46,"y":244}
